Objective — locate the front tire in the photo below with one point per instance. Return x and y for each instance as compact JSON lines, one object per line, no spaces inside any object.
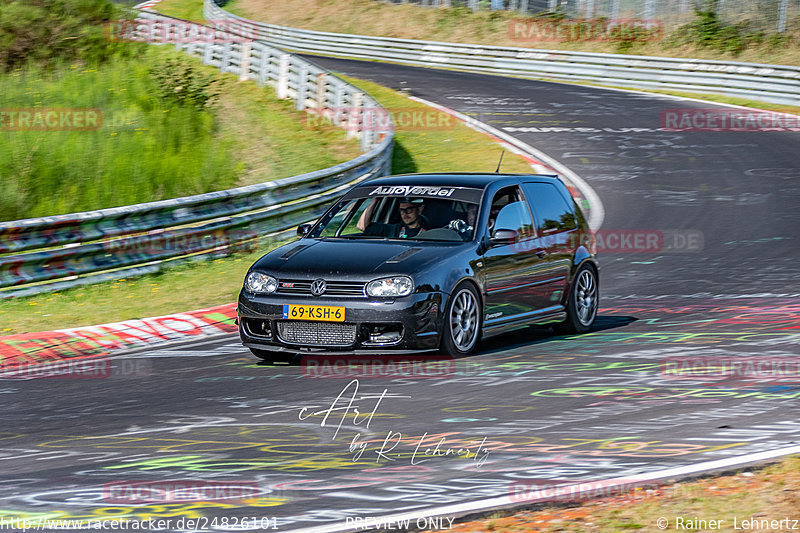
{"x":584,"y":298}
{"x":462,"y":321}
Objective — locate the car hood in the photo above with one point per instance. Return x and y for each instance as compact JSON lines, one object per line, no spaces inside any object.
{"x":350,"y":259}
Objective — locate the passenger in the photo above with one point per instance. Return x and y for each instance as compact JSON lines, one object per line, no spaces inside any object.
{"x":462,"y":226}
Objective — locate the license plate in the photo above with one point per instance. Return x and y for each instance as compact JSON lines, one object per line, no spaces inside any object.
{"x":314,"y":312}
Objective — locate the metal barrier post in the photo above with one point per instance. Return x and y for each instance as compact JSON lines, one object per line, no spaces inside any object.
{"x":244,"y":62}
{"x":283,"y":77}
{"x":302,"y":88}
{"x":321,"y":83}
{"x":354,"y":116}
{"x":338,"y":103}
{"x":782,"y":16}
{"x":263,"y":67}
{"x":208,"y":53}
{"x":226,"y":57}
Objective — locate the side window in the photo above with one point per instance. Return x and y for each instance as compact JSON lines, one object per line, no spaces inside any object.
{"x":552,"y":211}
{"x":344,"y":214}
{"x":509,"y":212}
{"x":357,"y":210}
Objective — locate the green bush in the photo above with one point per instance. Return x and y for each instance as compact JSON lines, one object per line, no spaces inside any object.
{"x":626,"y":41}
{"x":180,"y":81}
{"x":48,"y":31}
{"x":147,"y":148}
{"x":708,"y":31}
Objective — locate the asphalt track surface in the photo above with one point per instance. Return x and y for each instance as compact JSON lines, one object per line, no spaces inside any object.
{"x":531,"y":407}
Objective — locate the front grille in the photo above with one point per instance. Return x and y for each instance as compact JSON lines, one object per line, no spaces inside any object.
{"x":335,"y":288}
{"x":317,"y":333}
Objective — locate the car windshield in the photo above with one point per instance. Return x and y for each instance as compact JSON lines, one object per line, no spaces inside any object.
{"x":425,"y":213}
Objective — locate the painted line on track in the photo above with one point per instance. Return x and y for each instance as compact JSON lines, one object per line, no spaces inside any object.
{"x":676,"y":97}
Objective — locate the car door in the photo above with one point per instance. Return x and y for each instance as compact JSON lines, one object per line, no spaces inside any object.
{"x":556,"y":227}
{"x":512,"y":270}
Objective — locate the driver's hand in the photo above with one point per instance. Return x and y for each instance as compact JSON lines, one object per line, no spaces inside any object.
{"x":459,"y":225}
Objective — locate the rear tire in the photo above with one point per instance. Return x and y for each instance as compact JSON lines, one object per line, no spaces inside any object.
{"x":584,"y":298}
{"x":462,"y":321}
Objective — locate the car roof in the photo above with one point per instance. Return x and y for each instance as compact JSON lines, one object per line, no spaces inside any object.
{"x":455,"y":179}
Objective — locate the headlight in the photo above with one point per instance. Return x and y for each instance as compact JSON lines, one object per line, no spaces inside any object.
{"x":397,"y":286}
{"x":260,"y":283}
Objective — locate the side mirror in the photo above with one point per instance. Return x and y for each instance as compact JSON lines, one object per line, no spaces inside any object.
{"x":503,"y":237}
{"x":303,"y":229}
{"x":485,"y":244}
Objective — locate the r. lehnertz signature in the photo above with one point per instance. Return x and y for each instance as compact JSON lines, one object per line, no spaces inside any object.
{"x":386,"y":448}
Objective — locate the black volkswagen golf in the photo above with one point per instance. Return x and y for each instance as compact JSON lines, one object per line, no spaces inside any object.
{"x":423,"y":262}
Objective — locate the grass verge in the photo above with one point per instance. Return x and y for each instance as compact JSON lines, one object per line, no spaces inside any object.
{"x":194,"y":286}
{"x":771,"y":493}
{"x":182,"y":9}
{"x":446,"y":145}
{"x":270,"y":138}
{"x":140,"y":146}
{"x":148,"y":146}
{"x":181,"y":288}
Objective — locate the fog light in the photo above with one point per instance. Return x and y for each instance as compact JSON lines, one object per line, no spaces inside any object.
{"x":387,"y":336}
{"x":259,"y":328}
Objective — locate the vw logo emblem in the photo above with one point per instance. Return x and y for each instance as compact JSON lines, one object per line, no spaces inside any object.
{"x":318,"y":287}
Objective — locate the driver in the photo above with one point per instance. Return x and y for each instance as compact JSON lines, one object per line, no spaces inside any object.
{"x":413,"y":222}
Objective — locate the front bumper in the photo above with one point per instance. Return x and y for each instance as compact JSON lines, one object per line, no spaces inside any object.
{"x":410,"y":323}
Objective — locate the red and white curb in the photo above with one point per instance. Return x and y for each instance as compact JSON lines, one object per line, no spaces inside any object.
{"x":104,"y":339}
{"x":147,"y":5}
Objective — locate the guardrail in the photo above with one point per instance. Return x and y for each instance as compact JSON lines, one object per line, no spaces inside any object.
{"x":769,"y":83}
{"x":53,"y":253}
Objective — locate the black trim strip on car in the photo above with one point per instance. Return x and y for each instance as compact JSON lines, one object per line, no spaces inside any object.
{"x":295,"y":250}
{"x":553,"y":309}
